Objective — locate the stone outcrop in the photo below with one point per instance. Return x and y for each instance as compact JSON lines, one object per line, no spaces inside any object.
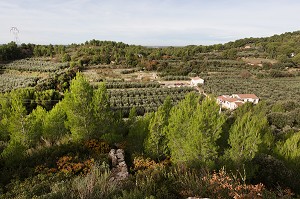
{"x":119,"y":168}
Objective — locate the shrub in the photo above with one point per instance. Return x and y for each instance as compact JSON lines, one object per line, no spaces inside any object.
{"x":96,"y":146}
{"x":140,"y":163}
{"x":95,"y":184}
{"x":68,"y":164}
{"x":279,"y":119}
{"x":37,"y":186}
{"x":272,"y":171}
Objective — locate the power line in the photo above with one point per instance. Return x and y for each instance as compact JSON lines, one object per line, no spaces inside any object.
{"x":15,"y":31}
{"x":32,"y":100}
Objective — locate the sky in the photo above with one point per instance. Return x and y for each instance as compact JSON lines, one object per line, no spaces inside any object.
{"x":146,"y":22}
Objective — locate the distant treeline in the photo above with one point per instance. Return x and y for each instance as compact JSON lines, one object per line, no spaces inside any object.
{"x":284,"y":47}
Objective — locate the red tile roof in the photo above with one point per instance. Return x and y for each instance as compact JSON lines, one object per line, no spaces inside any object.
{"x":246,"y":96}
{"x":227,"y":98}
{"x":196,"y":78}
{"x":232,"y":99}
{"x":239,"y":103}
{"x":222,"y":98}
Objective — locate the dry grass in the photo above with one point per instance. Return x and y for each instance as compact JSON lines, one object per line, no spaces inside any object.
{"x":256,"y":61}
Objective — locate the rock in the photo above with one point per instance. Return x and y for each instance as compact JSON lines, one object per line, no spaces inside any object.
{"x":112,"y":156}
{"x":119,"y":168}
{"x":120,"y":154}
{"x":122,"y":164}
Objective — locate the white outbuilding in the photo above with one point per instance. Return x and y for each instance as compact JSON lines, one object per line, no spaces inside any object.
{"x":196,"y":80}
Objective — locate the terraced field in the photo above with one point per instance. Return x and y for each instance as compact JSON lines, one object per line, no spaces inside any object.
{"x":145,"y":99}
{"x":270,"y":89}
{"x":34,"y":64}
{"x":12,"y":81}
{"x":27,"y":72}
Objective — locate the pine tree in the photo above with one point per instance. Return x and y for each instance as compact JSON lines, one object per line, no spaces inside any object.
{"x":79,"y":108}
{"x":36,"y":125}
{"x":290,"y":150}
{"x":18,"y":129}
{"x":4,"y":118}
{"x":138,"y":131}
{"x":203,"y":133}
{"x":18,"y":125}
{"x":156,"y":142}
{"x":179,"y":122}
{"x":54,"y":127}
{"x":193,"y":131}
{"x":132,"y":116}
{"x":14,"y":153}
{"x":247,"y":137}
{"x":102,"y":112}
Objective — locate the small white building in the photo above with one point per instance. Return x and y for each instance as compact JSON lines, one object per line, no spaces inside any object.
{"x":229,"y":102}
{"x":247,"y":97}
{"x":234,"y":101}
{"x":196,"y":80}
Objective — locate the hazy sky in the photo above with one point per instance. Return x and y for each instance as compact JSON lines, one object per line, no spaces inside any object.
{"x":146,"y":22}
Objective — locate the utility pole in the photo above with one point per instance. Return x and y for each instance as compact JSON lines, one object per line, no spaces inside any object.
{"x":15,"y":32}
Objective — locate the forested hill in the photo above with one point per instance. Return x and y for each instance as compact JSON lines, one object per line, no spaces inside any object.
{"x":280,"y":47}
{"x":285,"y":48}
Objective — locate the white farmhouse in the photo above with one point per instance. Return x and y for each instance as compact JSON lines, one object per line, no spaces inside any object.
{"x":196,"y":80}
{"x":247,"y":97}
{"x":234,"y":101}
{"x":229,"y":102}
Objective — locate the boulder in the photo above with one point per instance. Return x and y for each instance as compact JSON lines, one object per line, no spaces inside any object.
{"x":119,"y":168}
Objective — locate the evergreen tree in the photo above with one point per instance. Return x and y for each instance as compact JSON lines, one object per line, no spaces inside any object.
{"x":14,"y":153}
{"x":132,"y":116}
{"x":193,"y":131}
{"x":203,"y":133}
{"x":4,"y":118}
{"x":36,"y":125}
{"x":54,"y":127}
{"x":290,"y":150}
{"x":156,"y":142}
{"x":102,"y":112}
{"x":138,"y":132}
{"x":79,"y":108}
{"x":179,"y":122}
{"x":248,"y":136}
{"x":18,"y":125}
{"x":18,"y":130}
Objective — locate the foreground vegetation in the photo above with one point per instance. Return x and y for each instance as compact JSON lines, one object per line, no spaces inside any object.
{"x":172,"y":153}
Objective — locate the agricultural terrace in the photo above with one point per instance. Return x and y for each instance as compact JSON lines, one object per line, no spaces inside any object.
{"x":12,"y":81}
{"x":268,"y":88}
{"x":34,"y":64}
{"x":145,"y":99}
{"x":144,"y":90}
{"x":29,"y":72}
